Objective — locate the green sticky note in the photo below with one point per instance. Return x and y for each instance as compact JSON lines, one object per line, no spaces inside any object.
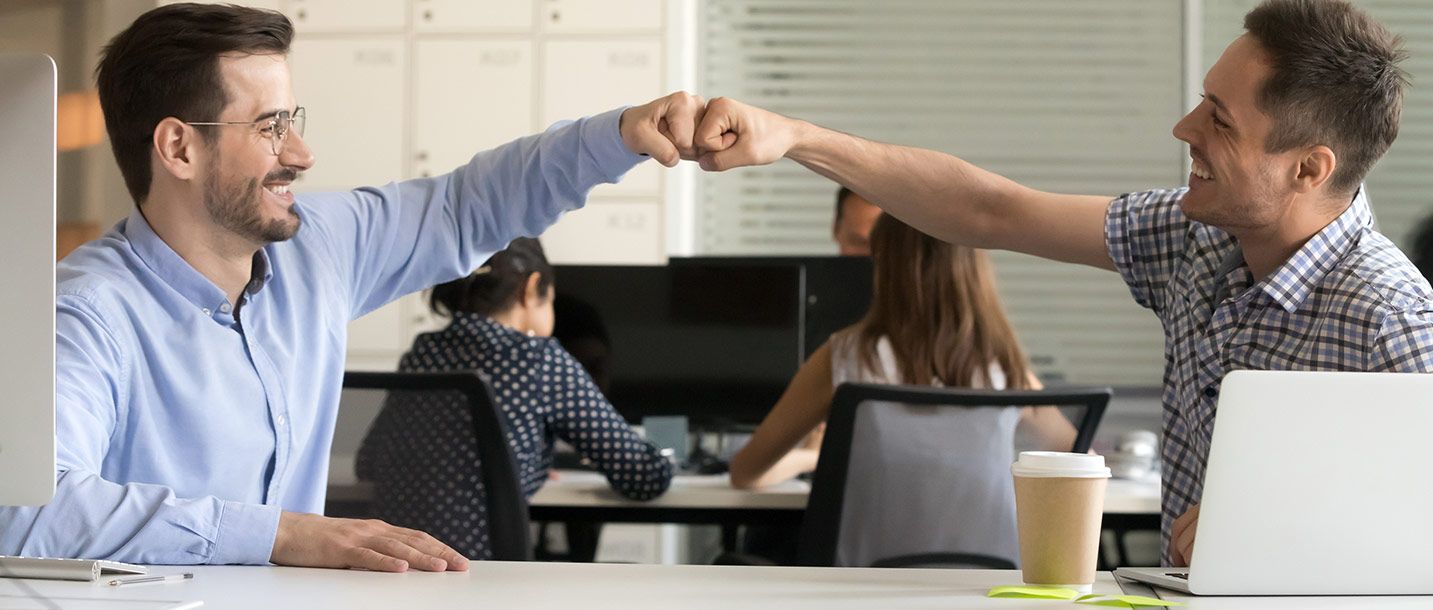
{"x":1033,"y":593}
{"x":1125,"y":601}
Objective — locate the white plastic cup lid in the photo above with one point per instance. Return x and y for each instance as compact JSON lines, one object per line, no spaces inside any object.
{"x":1056,"y":464}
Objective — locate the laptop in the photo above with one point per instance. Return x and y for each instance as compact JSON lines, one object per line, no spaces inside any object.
{"x":1317,"y":484}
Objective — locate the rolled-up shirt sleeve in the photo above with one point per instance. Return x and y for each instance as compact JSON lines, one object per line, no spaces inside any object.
{"x":1145,"y":235}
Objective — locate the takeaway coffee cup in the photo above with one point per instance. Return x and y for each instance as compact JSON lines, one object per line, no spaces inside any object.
{"x":1059,"y":500}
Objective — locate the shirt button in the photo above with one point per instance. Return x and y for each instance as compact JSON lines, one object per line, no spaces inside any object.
{"x":1211,"y":391}
{"x":206,"y":311}
{"x":224,"y":308}
{"x":280,"y":420}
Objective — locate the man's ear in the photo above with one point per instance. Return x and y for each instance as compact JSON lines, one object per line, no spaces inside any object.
{"x":1316,"y":166}
{"x":177,"y":148}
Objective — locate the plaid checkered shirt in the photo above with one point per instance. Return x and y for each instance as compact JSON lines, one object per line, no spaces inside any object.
{"x":1348,"y":300}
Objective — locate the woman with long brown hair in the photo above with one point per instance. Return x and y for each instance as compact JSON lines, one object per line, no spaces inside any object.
{"x":935,"y":319}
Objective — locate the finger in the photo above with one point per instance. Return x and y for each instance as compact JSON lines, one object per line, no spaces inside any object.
{"x":417,"y":559}
{"x":369,"y":559}
{"x":718,"y":120}
{"x":652,"y":143}
{"x":1185,"y":543}
{"x":427,"y":544}
{"x":681,"y":119}
{"x":724,"y":160}
{"x":691,"y":153}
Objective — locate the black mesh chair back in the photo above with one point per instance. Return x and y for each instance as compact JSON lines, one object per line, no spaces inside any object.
{"x":454,"y":477}
{"x":906,"y":471}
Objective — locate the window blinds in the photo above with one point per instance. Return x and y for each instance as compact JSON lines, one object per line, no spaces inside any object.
{"x":1075,"y":97}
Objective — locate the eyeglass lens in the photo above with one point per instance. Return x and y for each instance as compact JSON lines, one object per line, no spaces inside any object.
{"x":283,"y":123}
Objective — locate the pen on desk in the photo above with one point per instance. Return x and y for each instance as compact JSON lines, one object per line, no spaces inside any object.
{"x":150,"y":579}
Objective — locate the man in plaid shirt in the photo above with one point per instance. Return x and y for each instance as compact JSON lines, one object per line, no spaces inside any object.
{"x":1267,"y":260}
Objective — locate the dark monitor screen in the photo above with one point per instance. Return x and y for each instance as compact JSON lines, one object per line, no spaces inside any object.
{"x":719,"y":341}
{"x":715,"y":339}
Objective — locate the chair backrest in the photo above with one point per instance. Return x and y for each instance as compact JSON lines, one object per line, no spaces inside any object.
{"x":505,"y":502}
{"x":919,"y":475}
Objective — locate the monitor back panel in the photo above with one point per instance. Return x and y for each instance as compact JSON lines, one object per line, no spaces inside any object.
{"x":27,"y":274}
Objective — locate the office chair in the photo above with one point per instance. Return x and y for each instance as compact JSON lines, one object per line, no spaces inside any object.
{"x":406,"y":500}
{"x":917,"y":476}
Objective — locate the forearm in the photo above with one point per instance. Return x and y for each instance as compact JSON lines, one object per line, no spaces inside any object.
{"x":924,"y":188}
{"x":1048,"y":429}
{"x":796,"y":462}
{"x":92,"y":518}
{"x":643,"y":478}
{"x":953,"y":200}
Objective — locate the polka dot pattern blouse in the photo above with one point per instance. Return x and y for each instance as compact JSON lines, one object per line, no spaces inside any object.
{"x":421,"y":455}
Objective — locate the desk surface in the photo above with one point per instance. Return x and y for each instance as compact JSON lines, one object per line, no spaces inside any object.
{"x":581,"y":488}
{"x":578,"y":488}
{"x":597,"y":586}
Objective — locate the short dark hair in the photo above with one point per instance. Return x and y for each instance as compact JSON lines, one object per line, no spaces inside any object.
{"x":498,"y":284}
{"x":841,"y":196}
{"x":166,"y":64}
{"x":1335,"y":81}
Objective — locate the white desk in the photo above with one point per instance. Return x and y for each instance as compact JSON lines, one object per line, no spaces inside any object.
{"x":576,"y":488}
{"x":585,"y":490}
{"x":598,"y":586}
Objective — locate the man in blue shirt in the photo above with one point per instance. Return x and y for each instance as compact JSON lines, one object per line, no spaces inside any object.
{"x":1267,"y":260}
{"x":200,"y":342}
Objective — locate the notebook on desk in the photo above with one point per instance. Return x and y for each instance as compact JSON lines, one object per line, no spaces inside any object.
{"x":64,"y":569}
{"x":1316,"y":485}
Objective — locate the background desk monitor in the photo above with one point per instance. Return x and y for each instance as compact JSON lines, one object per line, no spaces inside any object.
{"x":715,"y":339}
{"x":27,"y":300}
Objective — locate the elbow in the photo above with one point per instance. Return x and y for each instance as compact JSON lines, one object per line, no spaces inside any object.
{"x":741,"y":475}
{"x":647,"y":490}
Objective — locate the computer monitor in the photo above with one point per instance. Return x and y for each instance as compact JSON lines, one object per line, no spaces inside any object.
{"x":27,"y":300}
{"x":716,"y":339}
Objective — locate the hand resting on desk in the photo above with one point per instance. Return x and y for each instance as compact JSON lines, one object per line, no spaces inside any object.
{"x":323,"y":542}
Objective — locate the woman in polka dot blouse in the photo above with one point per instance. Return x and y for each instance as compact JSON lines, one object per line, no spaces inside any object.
{"x":502,"y":319}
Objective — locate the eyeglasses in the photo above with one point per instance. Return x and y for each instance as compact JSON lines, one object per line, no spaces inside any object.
{"x":276,"y":129}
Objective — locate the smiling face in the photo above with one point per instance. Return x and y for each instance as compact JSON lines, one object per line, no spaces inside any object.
{"x":1235,"y":185}
{"x":245,"y":184}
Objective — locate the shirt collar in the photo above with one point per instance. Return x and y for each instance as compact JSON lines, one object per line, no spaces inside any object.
{"x":1293,"y":281}
{"x":261,"y":273}
{"x":178,"y":273}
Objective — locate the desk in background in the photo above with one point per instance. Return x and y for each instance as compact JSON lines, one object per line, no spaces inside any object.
{"x":583,"y":496}
{"x":492,"y":584}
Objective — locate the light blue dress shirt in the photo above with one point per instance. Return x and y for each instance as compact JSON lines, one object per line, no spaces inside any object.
{"x":182,"y":432}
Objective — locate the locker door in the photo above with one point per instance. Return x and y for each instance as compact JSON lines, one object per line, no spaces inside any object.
{"x":353,"y":89}
{"x":608,"y":233}
{"x":584,"y":77}
{"x":472,"y":95}
{"x":472,"y":15}
{"x":311,"y":16}
{"x":587,"y":16}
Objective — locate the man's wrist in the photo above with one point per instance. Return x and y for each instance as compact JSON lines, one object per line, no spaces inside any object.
{"x":804,"y":139}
